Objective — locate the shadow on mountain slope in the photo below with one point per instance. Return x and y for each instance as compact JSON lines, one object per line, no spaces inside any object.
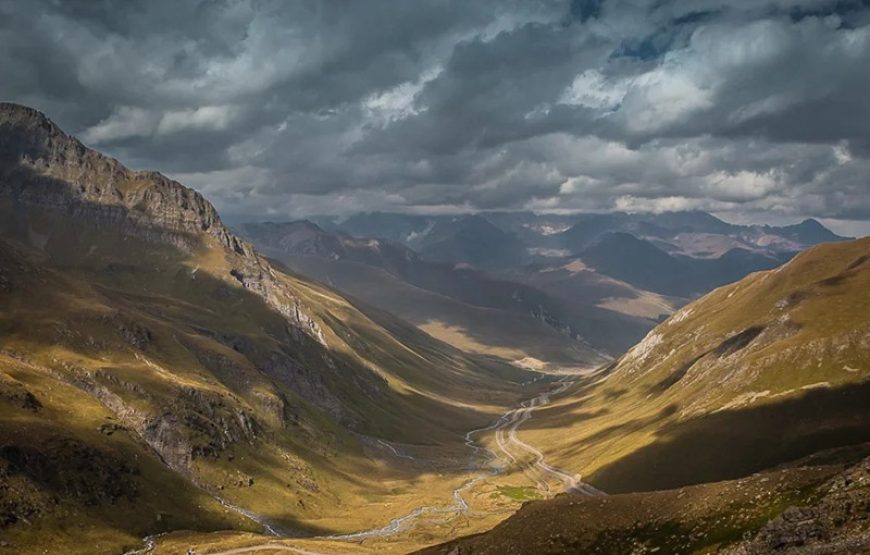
{"x":734,"y":443}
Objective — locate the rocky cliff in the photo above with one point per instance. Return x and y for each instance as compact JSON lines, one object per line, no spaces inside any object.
{"x":41,"y":166}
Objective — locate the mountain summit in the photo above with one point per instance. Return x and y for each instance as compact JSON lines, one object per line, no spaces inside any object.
{"x":43,"y":167}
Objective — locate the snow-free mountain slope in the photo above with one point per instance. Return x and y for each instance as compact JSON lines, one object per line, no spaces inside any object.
{"x":467,"y":307}
{"x":770,"y":368}
{"x":770,"y":374}
{"x":158,"y":373}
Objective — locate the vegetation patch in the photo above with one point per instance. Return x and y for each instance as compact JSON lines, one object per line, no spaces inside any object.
{"x":520,"y":493}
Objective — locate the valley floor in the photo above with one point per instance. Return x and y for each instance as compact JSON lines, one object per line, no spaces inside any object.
{"x":502,"y":472}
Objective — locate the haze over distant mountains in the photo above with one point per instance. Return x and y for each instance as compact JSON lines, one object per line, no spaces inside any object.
{"x":600,"y":281}
{"x":693,"y":233}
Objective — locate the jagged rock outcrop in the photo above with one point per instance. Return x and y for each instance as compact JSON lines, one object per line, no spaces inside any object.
{"x":838,"y":523}
{"x":42,"y":166}
{"x":195,"y":424}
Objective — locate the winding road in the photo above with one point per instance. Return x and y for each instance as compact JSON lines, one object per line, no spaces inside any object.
{"x":516,"y":449}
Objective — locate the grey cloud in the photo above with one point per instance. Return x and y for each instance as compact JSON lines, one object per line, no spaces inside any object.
{"x":272,"y":108}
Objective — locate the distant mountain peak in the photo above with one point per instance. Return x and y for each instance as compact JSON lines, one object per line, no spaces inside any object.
{"x":809,"y":232}
{"x":812,"y":223}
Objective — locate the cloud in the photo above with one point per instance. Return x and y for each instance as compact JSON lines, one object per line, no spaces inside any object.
{"x":124,"y":123}
{"x":206,"y":117}
{"x":130,"y":122}
{"x":744,"y":107}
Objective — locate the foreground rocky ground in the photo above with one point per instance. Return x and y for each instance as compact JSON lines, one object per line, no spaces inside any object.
{"x":839,"y":522}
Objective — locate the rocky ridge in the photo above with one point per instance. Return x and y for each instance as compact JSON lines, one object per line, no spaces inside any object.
{"x":42,"y":166}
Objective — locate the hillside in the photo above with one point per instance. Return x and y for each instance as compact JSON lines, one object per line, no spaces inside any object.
{"x":472,"y":240}
{"x":471,"y":309}
{"x":157,"y":373}
{"x":640,"y":263}
{"x":819,"y":508}
{"x":768,"y":373}
{"x":722,"y":378}
{"x":611,"y":277}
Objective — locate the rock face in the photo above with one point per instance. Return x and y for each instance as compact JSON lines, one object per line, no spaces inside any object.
{"x":838,"y":523}
{"x":42,"y":166}
{"x":193,"y":424}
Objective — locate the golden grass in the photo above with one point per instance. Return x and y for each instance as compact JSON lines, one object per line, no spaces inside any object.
{"x":811,"y":341}
{"x":65,"y":313}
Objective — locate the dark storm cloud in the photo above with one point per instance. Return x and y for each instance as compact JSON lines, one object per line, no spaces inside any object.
{"x":277,"y":109}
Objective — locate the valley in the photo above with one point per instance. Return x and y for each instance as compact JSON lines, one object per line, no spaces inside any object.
{"x":171,"y":385}
{"x":166,"y":365}
{"x":497,"y":456}
{"x":434,"y":277}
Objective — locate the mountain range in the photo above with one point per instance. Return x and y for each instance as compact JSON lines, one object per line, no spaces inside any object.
{"x":694,"y":233}
{"x":467,"y":307}
{"x":523,"y":286}
{"x":502,"y":382}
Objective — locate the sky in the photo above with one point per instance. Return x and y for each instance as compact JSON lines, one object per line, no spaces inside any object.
{"x":756,"y":110}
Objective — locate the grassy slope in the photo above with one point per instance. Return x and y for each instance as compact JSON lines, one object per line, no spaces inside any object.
{"x":69,"y":316}
{"x":76,"y":480}
{"x":488,"y":331}
{"x":701,"y":398}
{"x":574,"y":281}
{"x":230,"y":393}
